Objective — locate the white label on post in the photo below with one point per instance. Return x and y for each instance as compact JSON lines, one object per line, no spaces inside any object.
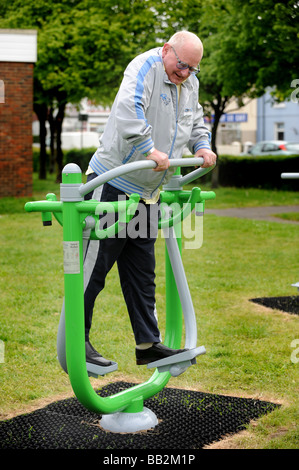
{"x":71,"y":257}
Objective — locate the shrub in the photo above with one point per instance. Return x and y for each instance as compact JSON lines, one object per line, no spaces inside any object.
{"x":80,"y":157}
{"x":235,"y":171}
{"x":254,"y":172}
{"x":259,"y":172}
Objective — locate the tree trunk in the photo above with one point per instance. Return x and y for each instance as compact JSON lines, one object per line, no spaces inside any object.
{"x":41,"y":111}
{"x":59,"y":154}
{"x":52,"y":141}
{"x":218,"y":108}
{"x":56,"y":159}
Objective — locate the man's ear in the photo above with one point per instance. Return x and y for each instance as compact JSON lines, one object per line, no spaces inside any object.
{"x":165,"y":49}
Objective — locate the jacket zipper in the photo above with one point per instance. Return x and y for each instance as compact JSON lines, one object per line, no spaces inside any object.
{"x":174,"y":138}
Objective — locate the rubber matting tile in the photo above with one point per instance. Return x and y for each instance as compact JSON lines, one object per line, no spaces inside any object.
{"x":286,"y":304}
{"x":187,"y":420}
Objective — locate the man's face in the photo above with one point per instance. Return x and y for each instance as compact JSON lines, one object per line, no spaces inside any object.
{"x":186,"y":53}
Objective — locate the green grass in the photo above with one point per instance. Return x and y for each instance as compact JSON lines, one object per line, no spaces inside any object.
{"x":248,"y":347}
{"x":226,"y":197}
{"x":251,"y":197}
{"x":294,"y":216}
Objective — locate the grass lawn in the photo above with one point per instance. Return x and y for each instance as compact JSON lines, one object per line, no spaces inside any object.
{"x":294,"y":216}
{"x":250,"y":348}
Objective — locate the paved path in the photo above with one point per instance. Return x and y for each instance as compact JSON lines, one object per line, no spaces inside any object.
{"x":258,"y":213}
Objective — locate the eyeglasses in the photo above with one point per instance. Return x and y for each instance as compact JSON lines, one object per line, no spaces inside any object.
{"x":183,"y":66}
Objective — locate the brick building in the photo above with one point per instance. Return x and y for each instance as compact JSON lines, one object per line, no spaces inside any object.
{"x":18,"y":53}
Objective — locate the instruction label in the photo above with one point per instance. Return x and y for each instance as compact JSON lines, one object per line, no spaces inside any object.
{"x":71,"y":257}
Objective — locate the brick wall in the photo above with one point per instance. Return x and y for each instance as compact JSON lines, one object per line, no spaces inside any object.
{"x":16,"y":129}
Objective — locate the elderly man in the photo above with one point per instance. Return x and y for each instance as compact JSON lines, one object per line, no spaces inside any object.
{"x":155,"y":115}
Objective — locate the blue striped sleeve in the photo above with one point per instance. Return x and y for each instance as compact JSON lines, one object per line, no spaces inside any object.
{"x":203,"y":144}
{"x":147,"y":144}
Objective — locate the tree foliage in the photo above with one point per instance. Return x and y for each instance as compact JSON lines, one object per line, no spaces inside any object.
{"x":248,"y":47}
{"x":83,"y":48}
{"x":85,"y":45}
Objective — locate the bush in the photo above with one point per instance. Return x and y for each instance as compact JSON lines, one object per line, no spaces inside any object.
{"x":35,"y":158}
{"x":235,"y":171}
{"x":253,"y":172}
{"x":258,"y":172}
{"x":80,"y":157}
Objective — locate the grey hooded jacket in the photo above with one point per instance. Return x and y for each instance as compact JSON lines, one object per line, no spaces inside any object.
{"x":147,"y":113}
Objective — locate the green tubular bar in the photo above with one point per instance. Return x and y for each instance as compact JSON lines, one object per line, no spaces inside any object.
{"x":174,"y":314}
{"x":186,"y":210}
{"x":179,"y":198}
{"x":43,"y":206}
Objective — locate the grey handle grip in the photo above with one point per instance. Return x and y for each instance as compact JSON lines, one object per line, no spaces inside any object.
{"x":134,"y":166}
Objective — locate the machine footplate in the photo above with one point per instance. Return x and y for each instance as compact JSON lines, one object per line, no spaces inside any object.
{"x":94,"y":370}
{"x":178,"y":363}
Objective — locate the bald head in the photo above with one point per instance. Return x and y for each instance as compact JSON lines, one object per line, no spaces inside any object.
{"x":187,"y":40}
{"x":188,"y":48}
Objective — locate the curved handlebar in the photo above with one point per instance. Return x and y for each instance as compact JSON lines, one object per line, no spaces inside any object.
{"x":133,"y":166}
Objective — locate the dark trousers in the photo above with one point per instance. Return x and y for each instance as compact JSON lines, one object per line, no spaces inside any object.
{"x":135,"y":259}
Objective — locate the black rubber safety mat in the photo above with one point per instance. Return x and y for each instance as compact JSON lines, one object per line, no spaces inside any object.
{"x":286,"y":304}
{"x":187,"y":420}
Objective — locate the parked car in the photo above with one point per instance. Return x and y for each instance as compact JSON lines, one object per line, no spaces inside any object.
{"x":273,"y":147}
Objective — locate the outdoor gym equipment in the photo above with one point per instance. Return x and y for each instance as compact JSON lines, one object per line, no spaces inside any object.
{"x":124,"y":411}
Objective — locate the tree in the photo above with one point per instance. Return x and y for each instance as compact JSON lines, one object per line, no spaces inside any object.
{"x":83,"y":48}
{"x":206,"y":19}
{"x":248,"y":47}
{"x":85,"y":45}
{"x":269,"y":32}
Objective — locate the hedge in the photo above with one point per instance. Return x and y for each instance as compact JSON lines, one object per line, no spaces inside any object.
{"x":235,"y":171}
{"x":81,"y":157}
{"x":258,"y":172}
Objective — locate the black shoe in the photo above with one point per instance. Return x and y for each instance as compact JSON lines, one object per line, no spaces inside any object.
{"x":94,"y":357}
{"x":154,"y":353}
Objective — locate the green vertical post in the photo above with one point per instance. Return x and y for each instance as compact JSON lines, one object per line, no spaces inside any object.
{"x":174,"y":313}
{"x":74,"y":292}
